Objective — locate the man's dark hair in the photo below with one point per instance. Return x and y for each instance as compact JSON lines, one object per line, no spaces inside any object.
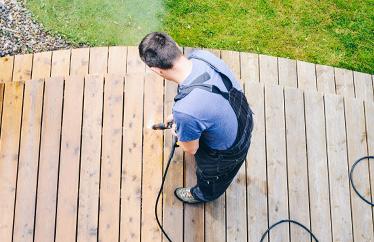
{"x":158,"y":49}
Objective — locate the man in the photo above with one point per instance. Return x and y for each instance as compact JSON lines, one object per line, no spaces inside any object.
{"x":212,"y":116}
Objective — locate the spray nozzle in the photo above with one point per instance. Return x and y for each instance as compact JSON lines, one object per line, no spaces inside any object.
{"x":162,"y":126}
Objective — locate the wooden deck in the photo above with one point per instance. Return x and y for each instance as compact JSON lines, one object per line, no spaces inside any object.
{"x":247,"y":66}
{"x":79,"y":162}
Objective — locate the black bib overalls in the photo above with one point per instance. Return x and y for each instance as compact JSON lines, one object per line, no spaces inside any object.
{"x":215,"y":169}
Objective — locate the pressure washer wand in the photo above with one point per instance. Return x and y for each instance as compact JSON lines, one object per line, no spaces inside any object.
{"x":162,"y":126}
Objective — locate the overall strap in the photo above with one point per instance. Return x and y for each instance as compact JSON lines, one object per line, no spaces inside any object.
{"x":225,"y":78}
{"x":199,"y":83}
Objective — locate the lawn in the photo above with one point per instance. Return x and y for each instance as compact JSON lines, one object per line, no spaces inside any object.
{"x":332,"y":32}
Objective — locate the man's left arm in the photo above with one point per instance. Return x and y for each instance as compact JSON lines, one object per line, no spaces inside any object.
{"x":188,"y":130}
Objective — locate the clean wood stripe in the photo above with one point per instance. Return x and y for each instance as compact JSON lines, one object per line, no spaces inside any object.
{"x":9,"y":151}
{"x":357,"y":147}
{"x":298,"y":194}
{"x":117,"y":59}
{"x":236,"y":193}
{"x":215,"y":211}
{"x":325,"y":79}
{"x":60,"y":63}
{"x":98,"y":60}
{"x":232,"y":59}
{"x":257,"y":190}
{"x":22,"y":67}
{"x":152,"y":156}
{"x":67,"y":204}
{"x":249,"y":69}
{"x":134,"y":63}
{"x":317,"y":166}
{"x":338,"y":170}
{"x":172,"y":207}
{"x":110,"y":181}
{"x":268,"y":69}
{"x":28,"y":161}
{"x":79,"y":61}
{"x":90,"y":159}
{"x":369,"y":118}
{"x":276,"y":161}
{"x":42,"y":65}
{"x":344,"y":82}
{"x":287,"y":72}
{"x":132,"y":159}
{"x":216,"y":52}
{"x":49,"y":160}
{"x":6,"y":68}
{"x":306,"y":76}
{"x":363,"y":86}
{"x":2,"y":87}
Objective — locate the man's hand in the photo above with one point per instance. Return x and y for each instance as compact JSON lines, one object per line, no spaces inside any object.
{"x":189,"y":147}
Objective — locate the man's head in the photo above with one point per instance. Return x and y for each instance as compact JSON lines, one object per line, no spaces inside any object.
{"x":159,"y":51}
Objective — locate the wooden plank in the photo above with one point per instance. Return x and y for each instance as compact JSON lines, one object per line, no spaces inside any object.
{"x":216,"y":52}
{"x":232,"y":59}
{"x":110,"y":181}
{"x":67,"y":204}
{"x":189,"y":50}
{"x":193,"y":214}
{"x":2,"y":87}
{"x":276,"y":161}
{"x":344,"y":82}
{"x":236,"y":221}
{"x":90,"y":159}
{"x":268,"y":69}
{"x":257,"y":211}
{"x":22,"y":67}
{"x":41,"y":65}
{"x":214,"y":212}
{"x":60,"y":63}
{"x":338,"y":170}
{"x":98,"y":60}
{"x":306,"y":76}
{"x":49,"y":160}
{"x":317,"y":166}
{"x":134,"y":63}
{"x":369,"y":117}
{"x":297,"y":162}
{"x":172,"y":207}
{"x":79,"y":61}
{"x":117,"y":60}
{"x":28,"y":161}
{"x":215,"y":225}
{"x":249,"y":69}
{"x":6,"y":68}
{"x":357,"y":147}
{"x":325,"y":79}
{"x":287,"y":72}
{"x":363,"y":86}
{"x":9,"y":151}
{"x":152,"y":156}
{"x":132,"y":159}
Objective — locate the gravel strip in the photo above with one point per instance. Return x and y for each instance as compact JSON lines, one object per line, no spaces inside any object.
{"x":20,"y":33}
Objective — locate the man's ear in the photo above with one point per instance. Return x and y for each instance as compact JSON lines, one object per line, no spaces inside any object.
{"x":157,"y":70}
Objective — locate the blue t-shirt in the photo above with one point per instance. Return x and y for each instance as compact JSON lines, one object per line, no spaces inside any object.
{"x":205,"y":115}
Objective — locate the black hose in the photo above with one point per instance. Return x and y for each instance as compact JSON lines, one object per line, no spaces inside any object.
{"x":174,"y":144}
{"x":351,"y":180}
{"x":288,"y":221}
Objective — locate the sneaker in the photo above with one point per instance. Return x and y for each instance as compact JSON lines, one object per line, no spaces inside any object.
{"x":184,"y":195}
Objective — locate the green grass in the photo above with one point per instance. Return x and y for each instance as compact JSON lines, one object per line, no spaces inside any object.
{"x":332,"y":32}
